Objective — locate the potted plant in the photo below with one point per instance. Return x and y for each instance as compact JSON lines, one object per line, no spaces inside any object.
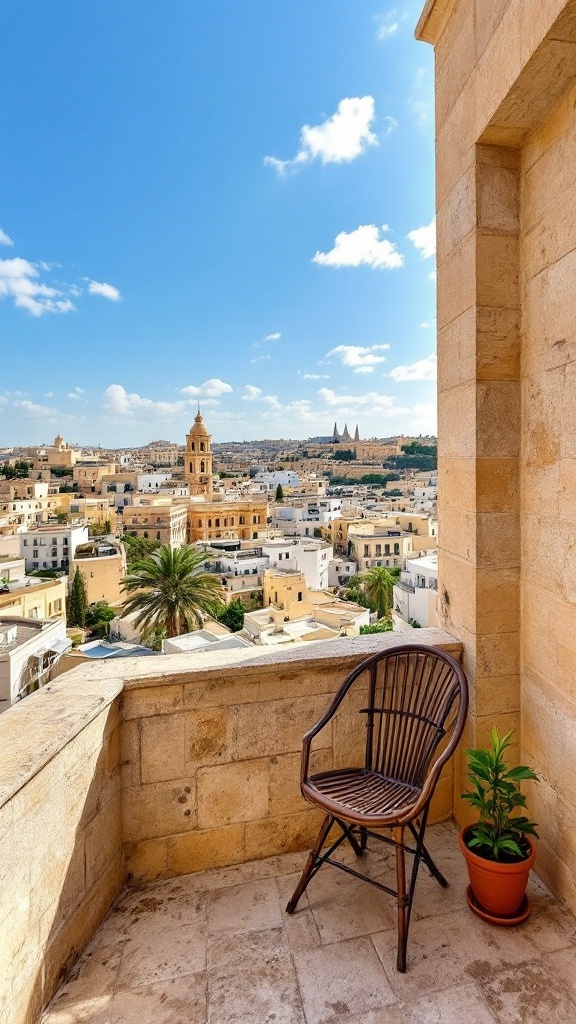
{"x":499,"y":849}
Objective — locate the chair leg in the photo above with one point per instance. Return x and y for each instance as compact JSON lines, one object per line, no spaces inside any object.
{"x":363,"y":838}
{"x":310,"y":863}
{"x":425,"y":855}
{"x":402,"y":900}
{"x":348,"y":832}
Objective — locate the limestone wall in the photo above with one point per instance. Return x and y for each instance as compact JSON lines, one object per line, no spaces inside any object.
{"x":211,"y":759}
{"x":188,"y":764}
{"x":548,"y":484}
{"x":61,"y":860}
{"x":505,"y":147}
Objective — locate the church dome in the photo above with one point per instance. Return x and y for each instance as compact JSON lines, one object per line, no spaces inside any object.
{"x":199,"y":425}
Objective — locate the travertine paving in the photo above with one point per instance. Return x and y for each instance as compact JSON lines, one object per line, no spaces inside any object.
{"x":218,"y":948}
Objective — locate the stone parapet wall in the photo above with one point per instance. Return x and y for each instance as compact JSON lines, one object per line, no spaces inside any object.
{"x":61,"y":857}
{"x":211,"y":761}
{"x":175,"y":769}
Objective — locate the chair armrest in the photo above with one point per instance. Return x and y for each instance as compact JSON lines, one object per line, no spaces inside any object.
{"x":330,"y":711}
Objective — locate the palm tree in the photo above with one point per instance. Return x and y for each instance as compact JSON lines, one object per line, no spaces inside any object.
{"x":170,"y":590}
{"x":378,"y":583}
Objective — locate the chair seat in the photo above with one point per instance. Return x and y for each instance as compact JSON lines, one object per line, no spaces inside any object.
{"x":362,"y":796}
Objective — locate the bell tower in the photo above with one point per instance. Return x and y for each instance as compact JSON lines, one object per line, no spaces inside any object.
{"x":198,"y":458}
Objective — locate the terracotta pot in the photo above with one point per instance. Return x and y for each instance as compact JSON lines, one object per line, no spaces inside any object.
{"x":499,"y":888}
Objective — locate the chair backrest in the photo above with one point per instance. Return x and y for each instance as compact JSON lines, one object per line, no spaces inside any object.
{"x":417,"y":698}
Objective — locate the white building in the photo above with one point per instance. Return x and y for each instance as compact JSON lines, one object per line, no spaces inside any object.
{"x":303,"y":518}
{"x":270,"y":480}
{"x":29,"y":650}
{"x":341,"y":570}
{"x":51,"y":547}
{"x":416,"y":594}
{"x":311,"y":557}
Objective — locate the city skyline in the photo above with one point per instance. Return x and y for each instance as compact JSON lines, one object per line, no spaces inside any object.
{"x":262,"y":241}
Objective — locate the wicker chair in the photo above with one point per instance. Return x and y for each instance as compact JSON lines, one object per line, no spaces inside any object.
{"x":416,"y":701}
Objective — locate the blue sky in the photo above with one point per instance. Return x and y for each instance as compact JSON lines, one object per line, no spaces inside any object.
{"x":224,"y":201}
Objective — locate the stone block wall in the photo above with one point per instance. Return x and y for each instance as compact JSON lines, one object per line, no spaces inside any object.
{"x":211,"y":760}
{"x":61,"y":858}
{"x":506,"y":148}
{"x":105,"y":779}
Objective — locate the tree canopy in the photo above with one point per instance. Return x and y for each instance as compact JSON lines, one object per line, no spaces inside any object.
{"x":170,"y":590}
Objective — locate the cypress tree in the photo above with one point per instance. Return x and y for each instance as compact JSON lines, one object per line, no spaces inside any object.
{"x":279,"y":493}
{"x":77,"y":601}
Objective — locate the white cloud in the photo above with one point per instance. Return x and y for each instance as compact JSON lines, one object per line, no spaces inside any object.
{"x":212,"y":388}
{"x":313,"y":376}
{"x":361,"y":358}
{"x":107,"y":291}
{"x":422,"y":369}
{"x":339,"y":139}
{"x":352,"y":403}
{"x":432,"y":275}
{"x":76,"y":393}
{"x":424,"y":325}
{"x":273,"y":337}
{"x":251,"y":393}
{"x":5,"y":239}
{"x":259,"y":359}
{"x":388,"y":25}
{"x":19,"y":281}
{"x":33,"y":410}
{"x":362,"y":247}
{"x":48,"y":394}
{"x":118,"y":402}
{"x":424,"y":239}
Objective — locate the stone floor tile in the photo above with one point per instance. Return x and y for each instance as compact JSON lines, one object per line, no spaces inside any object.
{"x":529,"y":994}
{"x":444,"y":950}
{"x":177,"y":902}
{"x":252,"y":907}
{"x":562,"y":964}
{"x":89,"y":987}
{"x":300,"y":928}
{"x":349,"y":911}
{"x":461,"y":1005}
{"x":156,"y":952}
{"x":341,"y":980}
{"x":173,"y":1001}
{"x":550,"y":926}
{"x":251,"y":980}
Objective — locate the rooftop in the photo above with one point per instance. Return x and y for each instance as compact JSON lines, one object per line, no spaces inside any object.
{"x":217,"y":946}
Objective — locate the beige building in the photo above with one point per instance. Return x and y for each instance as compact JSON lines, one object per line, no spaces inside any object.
{"x":506,"y":153}
{"x":89,"y":475}
{"x":210,"y":520}
{"x":103,"y":566}
{"x":59,"y":455}
{"x":157,"y":518}
{"x":30,"y":596}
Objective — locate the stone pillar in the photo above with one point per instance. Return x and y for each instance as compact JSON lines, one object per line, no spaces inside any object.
{"x":479,"y":436}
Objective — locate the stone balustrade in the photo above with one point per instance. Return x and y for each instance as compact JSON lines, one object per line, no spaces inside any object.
{"x":135,"y":770}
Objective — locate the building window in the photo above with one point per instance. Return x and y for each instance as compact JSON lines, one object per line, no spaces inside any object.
{"x":299,"y":595}
{"x":242,"y":521}
{"x":202,"y":446}
{"x":378,"y":550}
{"x":396,"y":549}
{"x":217,"y":522}
{"x":366,"y":551}
{"x":386,"y":549}
{"x":146,"y":534}
{"x":199,"y":521}
{"x":158,"y":535}
{"x":25,"y":543}
{"x":209,"y":522}
{"x":202,"y":466}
